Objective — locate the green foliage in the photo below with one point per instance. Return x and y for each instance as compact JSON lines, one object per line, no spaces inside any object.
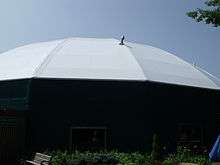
{"x":120,"y":158}
{"x":213,"y":3}
{"x":133,"y":159}
{"x":101,"y":158}
{"x":209,"y":16}
{"x":81,"y":158}
{"x":185,"y":155}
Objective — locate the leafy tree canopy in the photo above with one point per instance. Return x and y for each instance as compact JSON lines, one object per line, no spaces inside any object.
{"x":210,"y":15}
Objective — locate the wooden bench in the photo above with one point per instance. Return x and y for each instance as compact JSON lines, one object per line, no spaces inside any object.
{"x":39,"y":159}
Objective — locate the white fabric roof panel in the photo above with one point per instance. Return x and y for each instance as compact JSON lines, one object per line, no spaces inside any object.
{"x":161,"y":66}
{"x":22,"y":62}
{"x":92,"y":59}
{"x":89,"y":58}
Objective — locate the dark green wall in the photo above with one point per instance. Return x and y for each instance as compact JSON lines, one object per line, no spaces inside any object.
{"x":14,"y":94}
{"x":132,"y":111}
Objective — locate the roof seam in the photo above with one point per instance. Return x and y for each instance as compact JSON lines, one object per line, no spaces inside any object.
{"x":209,"y":74}
{"x":129,"y":49}
{"x":43,"y":65}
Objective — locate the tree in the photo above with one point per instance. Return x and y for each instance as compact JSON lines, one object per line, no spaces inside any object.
{"x":210,"y":15}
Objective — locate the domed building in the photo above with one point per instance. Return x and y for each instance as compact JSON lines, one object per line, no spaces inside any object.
{"x":89,"y":94}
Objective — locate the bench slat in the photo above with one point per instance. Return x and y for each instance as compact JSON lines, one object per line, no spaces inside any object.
{"x":31,"y":162}
{"x":38,"y":158}
{"x":43,"y":156}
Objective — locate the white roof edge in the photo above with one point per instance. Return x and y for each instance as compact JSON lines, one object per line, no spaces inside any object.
{"x":214,"y":79}
{"x":116,"y":80}
{"x":107,"y":66}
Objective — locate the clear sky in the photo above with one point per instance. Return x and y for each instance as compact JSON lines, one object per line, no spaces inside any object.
{"x":159,"y":23}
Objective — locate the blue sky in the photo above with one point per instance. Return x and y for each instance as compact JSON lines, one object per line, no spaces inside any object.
{"x":159,"y":23}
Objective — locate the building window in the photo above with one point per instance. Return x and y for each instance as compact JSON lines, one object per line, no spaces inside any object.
{"x":88,"y":138}
{"x":190,"y":135}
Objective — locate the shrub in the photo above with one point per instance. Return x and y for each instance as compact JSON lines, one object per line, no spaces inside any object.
{"x":81,"y":158}
{"x":133,"y":159}
{"x":101,"y":158}
{"x":185,"y":155}
{"x":120,"y":158}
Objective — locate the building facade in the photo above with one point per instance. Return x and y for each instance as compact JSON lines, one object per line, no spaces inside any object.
{"x":92,"y":94}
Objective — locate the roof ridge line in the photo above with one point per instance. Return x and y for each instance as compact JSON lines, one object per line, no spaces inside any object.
{"x":39,"y":69}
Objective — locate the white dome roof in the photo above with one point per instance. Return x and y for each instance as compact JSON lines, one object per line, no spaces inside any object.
{"x":104,"y":59}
